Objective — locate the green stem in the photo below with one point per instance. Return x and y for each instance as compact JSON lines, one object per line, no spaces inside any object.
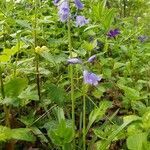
{"x":71,"y":78}
{"x":36,"y":55}
{"x":71,"y":73}
{"x":6,"y":109}
{"x":18,"y":47}
{"x":84,"y":118}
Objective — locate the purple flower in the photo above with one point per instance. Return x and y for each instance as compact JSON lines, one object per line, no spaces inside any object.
{"x":56,"y":2}
{"x":91,"y":78}
{"x":78,"y":4}
{"x":74,"y":61}
{"x":113,"y":33}
{"x":142,"y":38}
{"x":92,"y":58}
{"x":64,"y":11}
{"x":81,"y":21}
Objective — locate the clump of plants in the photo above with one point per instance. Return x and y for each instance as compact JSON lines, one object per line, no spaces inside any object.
{"x":74,"y":74}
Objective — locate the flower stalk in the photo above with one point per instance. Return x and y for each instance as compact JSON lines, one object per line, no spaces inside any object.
{"x":71,"y":74}
{"x":84,"y":117}
{"x":36,"y":55}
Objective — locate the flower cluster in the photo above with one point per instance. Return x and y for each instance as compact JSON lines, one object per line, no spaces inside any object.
{"x":88,"y":77}
{"x":64,"y":12}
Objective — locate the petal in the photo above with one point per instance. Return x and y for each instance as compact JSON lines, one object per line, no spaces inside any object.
{"x":92,"y":58}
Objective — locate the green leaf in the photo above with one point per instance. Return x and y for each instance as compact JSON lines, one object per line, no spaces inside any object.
{"x":5,"y":133}
{"x":61,"y":133}
{"x":15,"y":86}
{"x":146,"y":120}
{"x":29,"y":93}
{"x":98,"y":113}
{"x":130,"y":93}
{"x":23,"y":23}
{"x":17,"y":134}
{"x":56,"y":94}
{"x":39,"y":134}
{"x":127,"y":121}
{"x":22,"y":134}
{"x":137,"y":141}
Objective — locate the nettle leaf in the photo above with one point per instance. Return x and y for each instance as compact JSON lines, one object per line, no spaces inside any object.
{"x":98,"y":113}
{"x":15,"y":86}
{"x":137,"y":142}
{"x":61,"y":133}
{"x":56,"y":94}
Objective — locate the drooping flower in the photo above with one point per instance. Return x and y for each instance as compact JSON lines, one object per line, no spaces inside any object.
{"x":92,"y":58}
{"x":64,"y":11}
{"x":78,"y":4}
{"x":56,"y":2}
{"x":81,"y":21}
{"x":113,"y":33}
{"x":74,"y":61}
{"x":91,"y":78}
{"x":142,"y":38}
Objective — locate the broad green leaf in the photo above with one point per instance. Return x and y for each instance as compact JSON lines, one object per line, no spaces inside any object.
{"x":61,"y":134}
{"x":17,"y":134}
{"x":15,"y":86}
{"x":29,"y":93}
{"x":56,"y":94}
{"x":146,"y":120}
{"x":127,"y":121}
{"x":130,"y":93}
{"x":5,"y":133}
{"x":22,"y":134}
{"x":137,"y":142}
{"x":98,"y":113}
